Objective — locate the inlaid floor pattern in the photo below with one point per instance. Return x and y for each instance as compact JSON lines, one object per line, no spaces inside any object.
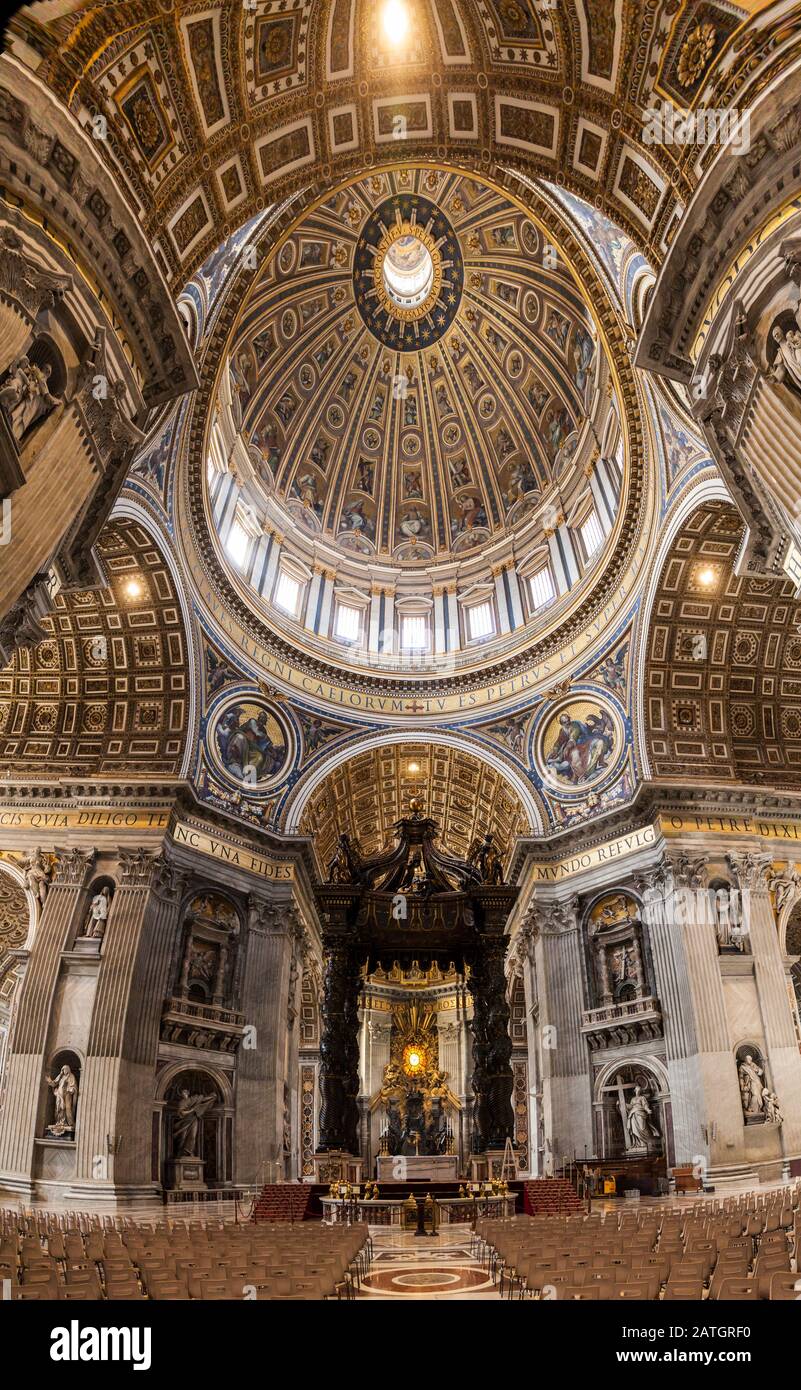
{"x":408,"y":1266}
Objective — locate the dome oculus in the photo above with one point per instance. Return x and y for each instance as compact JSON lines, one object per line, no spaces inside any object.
{"x":408,"y":273}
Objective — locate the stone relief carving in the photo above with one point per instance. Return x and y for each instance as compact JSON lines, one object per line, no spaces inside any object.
{"x":21,"y":280}
{"x":25,"y":397}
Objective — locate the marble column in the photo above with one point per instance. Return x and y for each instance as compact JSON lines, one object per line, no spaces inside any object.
{"x":29,"y":1044}
{"x":784,"y":1060}
{"x":115,"y":1139}
{"x":262,"y":1058}
{"x":566,"y":1076}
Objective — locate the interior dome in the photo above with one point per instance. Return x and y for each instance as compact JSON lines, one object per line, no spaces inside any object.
{"x":413,"y":371}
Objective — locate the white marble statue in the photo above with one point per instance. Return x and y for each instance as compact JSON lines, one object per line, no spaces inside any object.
{"x":770,"y":1106}
{"x":95,"y":924}
{"x":787,"y":362}
{"x":751,"y":1085}
{"x":640,"y":1127}
{"x":65,"y":1090}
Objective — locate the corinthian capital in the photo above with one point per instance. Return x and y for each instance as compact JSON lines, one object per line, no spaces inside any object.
{"x":686,"y":871}
{"x":136,"y":867}
{"x":31,"y":287}
{"x":551,"y":919}
{"x":751,"y":869}
{"x":72,"y":865}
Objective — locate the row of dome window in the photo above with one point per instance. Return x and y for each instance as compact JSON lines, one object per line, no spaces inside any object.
{"x":349,"y":624}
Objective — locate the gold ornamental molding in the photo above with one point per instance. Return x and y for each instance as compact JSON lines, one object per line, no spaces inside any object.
{"x":407,"y":313}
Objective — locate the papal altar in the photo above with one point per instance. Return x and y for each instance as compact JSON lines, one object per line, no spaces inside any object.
{"x":418,"y":1168}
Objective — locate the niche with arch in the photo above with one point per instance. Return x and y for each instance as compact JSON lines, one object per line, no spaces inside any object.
{"x":619,"y":968}
{"x":210,"y":940}
{"x":759,"y":1101}
{"x":632,"y":1112}
{"x":725,"y":912}
{"x":195,"y":1131}
{"x":100,"y":896}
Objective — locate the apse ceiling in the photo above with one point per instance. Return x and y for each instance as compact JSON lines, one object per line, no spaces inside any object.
{"x":215,"y":111}
{"x":107,"y":691}
{"x":365,"y":796}
{"x":412,"y":367}
{"x":722,"y":694}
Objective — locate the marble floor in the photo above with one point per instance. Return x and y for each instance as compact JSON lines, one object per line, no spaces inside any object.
{"x":409,"y":1266}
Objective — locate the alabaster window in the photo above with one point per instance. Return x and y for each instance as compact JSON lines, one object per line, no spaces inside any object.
{"x":237,"y":544}
{"x":592,"y":536}
{"x":541,"y":588}
{"x":287,"y":593}
{"x":414,"y":633}
{"x":480,"y":622}
{"x":347,"y":623}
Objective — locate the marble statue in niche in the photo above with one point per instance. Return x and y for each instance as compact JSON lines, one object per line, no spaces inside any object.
{"x":633,"y":1122}
{"x":640,"y":1127}
{"x":65,"y":1092}
{"x":188,"y":1113}
{"x":759,"y":1101}
{"x":97,"y":917}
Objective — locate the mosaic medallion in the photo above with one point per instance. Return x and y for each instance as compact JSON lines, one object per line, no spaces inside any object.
{"x":580,"y":743}
{"x":408,"y":272}
{"x":249,"y":743}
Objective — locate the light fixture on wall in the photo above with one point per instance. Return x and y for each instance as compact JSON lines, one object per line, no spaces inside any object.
{"x":395,"y":21}
{"x":113,"y":1143}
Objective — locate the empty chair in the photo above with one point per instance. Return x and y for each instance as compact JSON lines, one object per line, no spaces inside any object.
{"x":680,"y":1289}
{"x":738,"y":1289}
{"x":784,"y":1286}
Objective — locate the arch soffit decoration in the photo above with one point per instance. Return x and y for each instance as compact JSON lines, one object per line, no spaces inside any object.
{"x":725,"y":708}
{"x":202,"y":141}
{"x":116,"y":669}
{"x":132,"y":507}
{"x":528,"y":814}
{"x":702,"y":490}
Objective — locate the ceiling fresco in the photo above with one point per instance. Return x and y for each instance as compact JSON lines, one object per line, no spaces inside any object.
{"x":369,"y":429}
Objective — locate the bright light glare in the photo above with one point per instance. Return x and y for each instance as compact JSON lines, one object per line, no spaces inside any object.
{"x":414,"y":767}
{"x":706,"y":576}
{"x":414,"y":1059}
{"x":395,"y":20}
{"x":133,"y":588}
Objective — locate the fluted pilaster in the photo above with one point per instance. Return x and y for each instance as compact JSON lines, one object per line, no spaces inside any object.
{"x":28,"y":1045}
